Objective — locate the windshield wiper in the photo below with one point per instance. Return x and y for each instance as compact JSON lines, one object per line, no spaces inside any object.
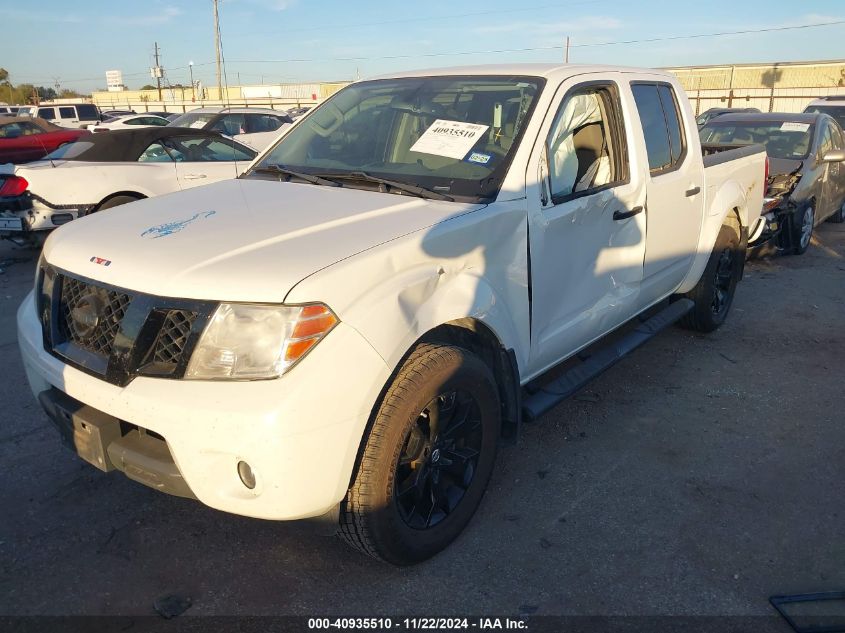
{"x":405,"y":187}
{"x":290,"y":173}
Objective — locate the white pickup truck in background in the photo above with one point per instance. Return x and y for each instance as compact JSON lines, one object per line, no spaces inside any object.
{"x":347,"y":330}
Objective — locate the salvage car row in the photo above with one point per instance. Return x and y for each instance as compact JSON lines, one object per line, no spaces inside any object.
{"x":345,"y":331}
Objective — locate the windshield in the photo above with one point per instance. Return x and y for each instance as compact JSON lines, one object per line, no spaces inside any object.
{"x":451,"y":135}
{"x":782,"y":139}
{"x":193,"y":119}
{"x":837,"y":112}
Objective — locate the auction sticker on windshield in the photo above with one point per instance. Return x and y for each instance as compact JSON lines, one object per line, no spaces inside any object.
{"x":452,"y":139}
{"x":795,"y":127}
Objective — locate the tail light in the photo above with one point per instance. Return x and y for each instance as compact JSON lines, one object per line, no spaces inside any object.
{"x":13,"y":186}
{"x":766,"y":173}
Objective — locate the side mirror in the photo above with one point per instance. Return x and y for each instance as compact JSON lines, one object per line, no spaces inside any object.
{"x":834,"y":156}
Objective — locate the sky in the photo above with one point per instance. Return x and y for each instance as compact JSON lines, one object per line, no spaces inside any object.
{"x":284,"y":41}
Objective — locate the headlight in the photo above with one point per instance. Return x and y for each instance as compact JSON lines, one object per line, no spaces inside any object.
{"x":771,"y":203}
{"x":243,"y":341}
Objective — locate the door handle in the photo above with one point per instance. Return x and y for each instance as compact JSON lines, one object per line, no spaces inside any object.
{"x":194,"y":176}
{"x":624,"y":215}
{"x":692,"y":192}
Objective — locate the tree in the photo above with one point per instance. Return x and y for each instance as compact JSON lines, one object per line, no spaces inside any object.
{"x":148,"y":87}
{"x":67,"y":93}
{"x":4,"y":75}
{"x":46,"y":94}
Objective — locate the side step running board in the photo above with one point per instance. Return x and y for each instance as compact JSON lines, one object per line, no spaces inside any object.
{"x":550,"y":395}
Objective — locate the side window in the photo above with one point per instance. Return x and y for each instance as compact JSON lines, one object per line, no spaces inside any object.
{"x":204,"y":149}
{"x":87,"y":112}
{"x":837,"y":137}
{"x":230,"y":125}
{"x":137,"y":121}
{"x":67,"y":112}
{"x":585,"y":145}
{"x":28,"y":128}
{"x":677,"y":142}
{"x":826,"y":142}
{"x":47,"y":113}
{"x":659,"y":115}
{"x":155,"y":153}
{"x":262,"y":123}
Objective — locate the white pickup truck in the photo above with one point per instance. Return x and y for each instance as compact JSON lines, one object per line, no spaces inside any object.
{"x":347,"y":330}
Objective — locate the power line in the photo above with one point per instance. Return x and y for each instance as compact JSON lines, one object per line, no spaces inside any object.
{"x":492,"y":51}
{"x":535,"y":48}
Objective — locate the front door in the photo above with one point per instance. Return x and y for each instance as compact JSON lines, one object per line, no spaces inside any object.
{"x":202,"y":159}
{"x":586,"y":225}
{"x":675,"y":191}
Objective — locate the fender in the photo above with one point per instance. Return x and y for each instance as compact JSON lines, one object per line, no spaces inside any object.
{"x":472,"y":266}
{"x":731,"y":198}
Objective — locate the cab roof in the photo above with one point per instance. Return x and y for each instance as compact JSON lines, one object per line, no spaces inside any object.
{"x":547,"y":71}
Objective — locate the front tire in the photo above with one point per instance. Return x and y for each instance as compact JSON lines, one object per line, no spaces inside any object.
{"x":714,"y":292}
{"x":427,"y":459}
{"x":803,"y":222}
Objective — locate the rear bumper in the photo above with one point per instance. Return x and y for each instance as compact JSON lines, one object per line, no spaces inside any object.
{"x":300,"y":434}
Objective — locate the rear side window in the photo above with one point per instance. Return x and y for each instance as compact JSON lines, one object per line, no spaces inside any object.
{"x":67,"y":112}
{"x":660,"y":118}
{"x":262,"y":123}
{"x":88,"y":112}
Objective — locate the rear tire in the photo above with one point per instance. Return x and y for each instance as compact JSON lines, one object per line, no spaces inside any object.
{"x":427,"y":459}
{"x":839,"y":216}
{"x":714,"y":292}
{"x":114,"y":202}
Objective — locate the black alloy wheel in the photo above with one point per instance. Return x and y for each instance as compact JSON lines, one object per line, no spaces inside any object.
{"x":438,"y":460}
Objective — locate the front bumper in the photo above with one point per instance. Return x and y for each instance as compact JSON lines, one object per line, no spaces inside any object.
{"x":300,"y":433}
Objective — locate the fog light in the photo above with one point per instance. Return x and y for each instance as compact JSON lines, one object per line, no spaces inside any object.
{"x":246,"y":475}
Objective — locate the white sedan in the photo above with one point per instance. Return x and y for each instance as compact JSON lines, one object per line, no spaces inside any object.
{"x":128,"y":121}
{"x":106,"y":170}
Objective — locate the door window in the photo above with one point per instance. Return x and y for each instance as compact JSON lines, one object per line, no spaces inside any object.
{"x":87,"y":112}
{"x":47,"y":113}
{"x":659,"y":115}
{"x":585,"y":146}
{"x":230,"y":125}
{"x":21,"y":128}
{"x":262,"y":123}
{"x":67,"y":112}
{"x":155,"y":153}
{"x":204,"y":149}
{"x":826,"y":142}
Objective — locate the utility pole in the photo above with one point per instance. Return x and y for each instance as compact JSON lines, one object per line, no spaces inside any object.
{"x":217,"y":50}
{"x":157,"y":73}
{"x":566,"y":58}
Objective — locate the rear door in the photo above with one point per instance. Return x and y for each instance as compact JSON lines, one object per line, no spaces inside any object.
{"x":586,"y":226}
{"x":674,"y":190}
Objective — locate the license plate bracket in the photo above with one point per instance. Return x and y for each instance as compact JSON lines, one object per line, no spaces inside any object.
{"x":11,"y":224}
{"x":86,"y":430}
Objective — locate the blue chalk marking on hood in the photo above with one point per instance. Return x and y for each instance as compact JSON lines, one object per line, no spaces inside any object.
{"x":169,"y":228}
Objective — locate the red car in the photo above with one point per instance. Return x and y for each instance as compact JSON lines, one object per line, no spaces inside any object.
{"x":23,"y":139}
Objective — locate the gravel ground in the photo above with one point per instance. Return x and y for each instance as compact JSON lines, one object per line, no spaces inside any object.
{"x":697,"y":477}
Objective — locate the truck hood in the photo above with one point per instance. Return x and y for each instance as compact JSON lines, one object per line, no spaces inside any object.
{"x":236,"y":240}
